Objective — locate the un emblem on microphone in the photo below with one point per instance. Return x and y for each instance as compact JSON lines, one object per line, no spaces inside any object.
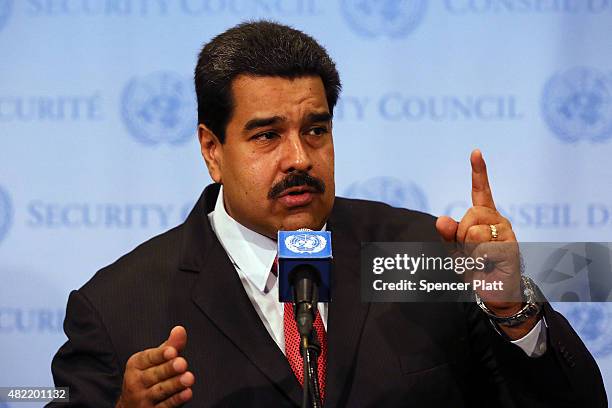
{"x":593,"y":323}
{"x":392,"y":18}
{"x":389,"y":190}
{"x":305,"y":243}
{"x":577,"y":105}
{"x":5,"y":11}
{"x":159,"y":108}
{"x":6,"y":213}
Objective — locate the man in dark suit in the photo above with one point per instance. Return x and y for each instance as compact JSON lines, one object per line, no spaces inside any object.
{"x":265,"y":104}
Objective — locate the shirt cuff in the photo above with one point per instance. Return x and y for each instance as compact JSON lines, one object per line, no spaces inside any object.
{"x":534,"y":342}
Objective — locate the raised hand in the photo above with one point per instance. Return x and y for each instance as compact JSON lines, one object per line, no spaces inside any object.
{"x":158,"y":377}
{"x":483,"y":231}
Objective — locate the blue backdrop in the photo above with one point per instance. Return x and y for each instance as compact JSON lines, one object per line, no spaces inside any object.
{"x":98,"y":147}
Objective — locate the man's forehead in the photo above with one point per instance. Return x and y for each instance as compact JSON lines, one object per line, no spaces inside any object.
{"x":272,"y":97}
{"x":242,"y":80}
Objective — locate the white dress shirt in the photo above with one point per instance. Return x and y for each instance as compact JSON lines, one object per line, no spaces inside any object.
{"x":253,"y":256}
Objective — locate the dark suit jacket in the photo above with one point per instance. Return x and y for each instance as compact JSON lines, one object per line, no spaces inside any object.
{"x":380,"y":354}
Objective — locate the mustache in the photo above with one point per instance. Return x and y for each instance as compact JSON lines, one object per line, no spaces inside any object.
{"x":295,"y":180}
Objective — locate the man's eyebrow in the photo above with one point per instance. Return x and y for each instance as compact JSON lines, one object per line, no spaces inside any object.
{"x":273,"y":120}
{"x":262,"y":122}
{"x":319,"y":117}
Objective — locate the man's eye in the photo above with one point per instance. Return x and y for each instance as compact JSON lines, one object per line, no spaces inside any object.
{"x":264,"y":136}
{"x":318,"y":131}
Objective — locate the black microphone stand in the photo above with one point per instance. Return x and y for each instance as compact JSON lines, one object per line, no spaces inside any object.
{"x":310,"y":353}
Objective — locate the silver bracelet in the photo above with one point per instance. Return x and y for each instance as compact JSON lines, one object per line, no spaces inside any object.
{"x":529,"y":309}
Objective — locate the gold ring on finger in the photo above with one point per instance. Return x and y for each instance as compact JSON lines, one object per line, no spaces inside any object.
{"x":494,"y":234}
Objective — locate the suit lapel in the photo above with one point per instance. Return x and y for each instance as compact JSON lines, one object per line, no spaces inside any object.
{"x":220,"y":295}
{"x":347,"y":314}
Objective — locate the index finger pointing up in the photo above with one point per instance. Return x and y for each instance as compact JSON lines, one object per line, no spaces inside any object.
{"x":481,"y":191}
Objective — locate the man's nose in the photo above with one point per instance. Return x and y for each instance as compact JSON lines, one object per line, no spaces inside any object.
{"x":295,"y":155}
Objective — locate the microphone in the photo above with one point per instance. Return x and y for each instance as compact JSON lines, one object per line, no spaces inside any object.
{"x":305,"y":281}
{"x":304,"y":266}
{"x":304,"y":256}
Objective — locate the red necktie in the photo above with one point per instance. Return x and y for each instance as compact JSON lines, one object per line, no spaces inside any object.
{"x":292,"y":343}
{"x":292,"y":347}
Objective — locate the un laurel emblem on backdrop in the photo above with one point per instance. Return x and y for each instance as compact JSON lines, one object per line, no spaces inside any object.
{"x":392,"y":18}
{"x":6,"y":213}
{"x":5,"y":11}
{"x":577,"y":105}
{"x":159,"y":108}
{"x":389,"y":190}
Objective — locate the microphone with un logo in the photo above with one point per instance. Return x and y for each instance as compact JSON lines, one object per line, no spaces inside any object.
{"x":304,"y":272}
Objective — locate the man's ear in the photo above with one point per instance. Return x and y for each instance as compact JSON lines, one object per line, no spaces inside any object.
{"x":212,"y":152}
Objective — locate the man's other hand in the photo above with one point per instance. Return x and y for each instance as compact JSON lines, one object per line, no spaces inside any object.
{"x":158,"y":377}
{"x":483,"y":231}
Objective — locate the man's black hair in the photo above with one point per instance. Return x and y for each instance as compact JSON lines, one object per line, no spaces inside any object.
{"x":259,"y":48}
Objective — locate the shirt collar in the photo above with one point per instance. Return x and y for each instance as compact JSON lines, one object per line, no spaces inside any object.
{"x":250,"y":251}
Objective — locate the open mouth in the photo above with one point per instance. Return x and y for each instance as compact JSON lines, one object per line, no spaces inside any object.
{"x":299,"y":196}
{"x":296,"y":191}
